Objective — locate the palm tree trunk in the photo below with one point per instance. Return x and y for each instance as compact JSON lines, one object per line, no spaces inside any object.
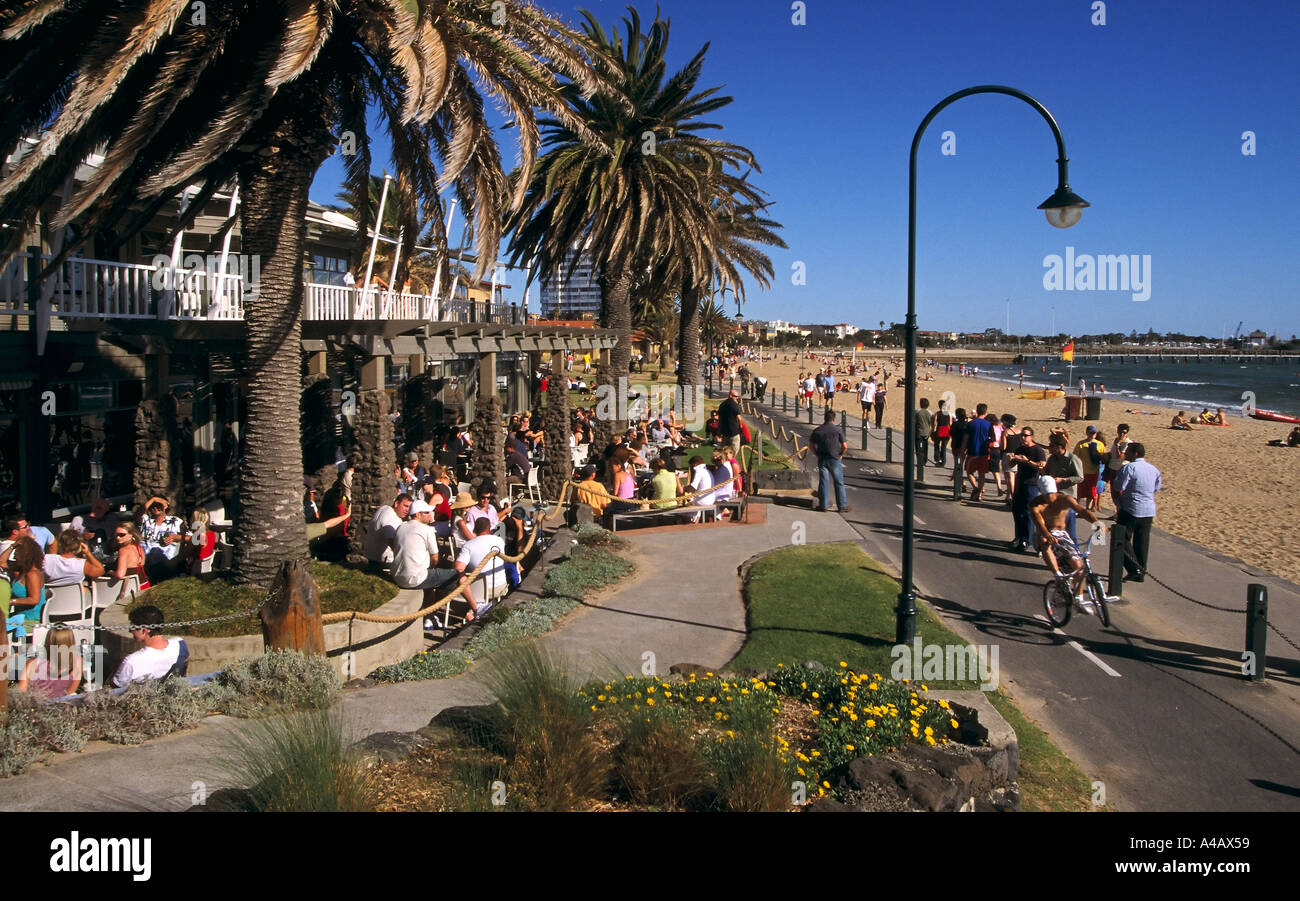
{"x":688,"y":372}
{"x":270,"y":527}
{"x":616,"y":314}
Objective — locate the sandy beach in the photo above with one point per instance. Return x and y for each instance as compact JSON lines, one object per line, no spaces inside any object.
{"x":1223,"y":488}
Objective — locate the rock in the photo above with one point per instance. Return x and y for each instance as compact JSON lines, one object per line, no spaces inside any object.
{"x":482,"y":724}
{"x":813,"y":664}
{"x":387,"y":747}
{"x":827,"y":805}
{"x":929,"y":790}
{"x":691,"y":669}
{"x":972,"y":732}
{"x":968,"y":772}
{"x":860,"y":774}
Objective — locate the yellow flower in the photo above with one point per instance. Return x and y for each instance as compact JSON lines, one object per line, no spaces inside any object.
{"x":871,"y":724}
{"x":713,"y":700}
{"x":943,"y":704}
{"x":848,"y":747}
{"x":600,"y":697}
{"x":955,"y":725}
{"x":668,"y":694}
{"x":929,"y":731}
{"x":842,"y":663}
{"x":700,"y":698}
{"x":872,"y":686}
{"x":826,"y":785}
{"x":593,"y":706}
{"x":815,"y":695}
{"x":930,"y":740}
{"x":800,"y":771}
{"x":730,"y":734}
{"x":649,"y":702}
{"x":651,"y":689}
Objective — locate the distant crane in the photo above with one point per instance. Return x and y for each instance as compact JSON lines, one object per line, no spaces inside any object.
{"x":1236,"y":336}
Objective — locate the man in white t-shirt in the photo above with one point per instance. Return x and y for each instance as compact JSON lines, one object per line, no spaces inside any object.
{"x":157,"y":654}
{"x":493,"y":577}
{"x":867,"y":394}
{"x":381,"y":536}
{"x":417,"y":552}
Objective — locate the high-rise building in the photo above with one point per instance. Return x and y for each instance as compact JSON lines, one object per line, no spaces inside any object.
{"x":568,"y":295}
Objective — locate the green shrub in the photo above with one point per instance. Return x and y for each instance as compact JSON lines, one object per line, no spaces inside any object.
{"x":425,"y":665}
{"x":586,"y":569}
{"x":143,"y":711}
{"x":19,"y":747}
{"x":658,"y":762}
{"x":276,"y":680}
{"x":749,"y":773}
{"x":297,"y":763}
{"x":592,"y":535}
{"x":555,"y":761}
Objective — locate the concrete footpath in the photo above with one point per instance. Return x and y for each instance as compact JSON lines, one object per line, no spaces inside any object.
{"x":682,"y":605}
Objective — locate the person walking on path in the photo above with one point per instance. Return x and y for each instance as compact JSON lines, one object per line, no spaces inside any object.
{"x":1091,"y":452}
{"x":1032,"y":460}
{"x":922,"y":426}
{"x":1115,"y":460}
{"x":729,"y":421}
{"x":1137,"y":484}
{"x":828,"y":442}
{"x":880,"y":400}
{"x":1066,"y":471}
{"x":942,"y":432}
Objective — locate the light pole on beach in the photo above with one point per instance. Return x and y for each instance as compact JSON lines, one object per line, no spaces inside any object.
{"x":1063,"y":210}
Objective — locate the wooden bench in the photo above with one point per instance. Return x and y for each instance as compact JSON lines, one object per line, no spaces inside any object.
{"x":673,"y":514}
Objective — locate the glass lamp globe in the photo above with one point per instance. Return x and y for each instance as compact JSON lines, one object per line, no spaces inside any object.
{"x":1064,"y":216}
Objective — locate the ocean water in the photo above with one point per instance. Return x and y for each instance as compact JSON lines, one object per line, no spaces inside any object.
{"x":1188,"y":386}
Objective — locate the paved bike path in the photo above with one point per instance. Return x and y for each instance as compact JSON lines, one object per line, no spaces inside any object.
{"x":1178,"y":728}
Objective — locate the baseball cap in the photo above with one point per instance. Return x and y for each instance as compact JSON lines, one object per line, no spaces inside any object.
{"x":420,"y":506}
{"x":1091,"y":430}
{"x":1047,"y":485}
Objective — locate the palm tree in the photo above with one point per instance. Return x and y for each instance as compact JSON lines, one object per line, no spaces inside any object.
{"x":260,"y":92}
{"x":645,"y":194}
{"x":736,"y":229}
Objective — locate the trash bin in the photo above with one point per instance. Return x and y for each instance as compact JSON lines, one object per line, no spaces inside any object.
{"x":1074,"y":407}
{"x":1092,"y":410}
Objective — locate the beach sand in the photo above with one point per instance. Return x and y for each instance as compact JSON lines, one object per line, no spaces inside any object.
{"x":1222,"y":488}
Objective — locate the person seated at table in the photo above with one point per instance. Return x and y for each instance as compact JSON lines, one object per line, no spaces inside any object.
{"x":130,"y":557}
{"x":461,"y":527}
{"x":484,"y":508}
{"x":517,"y":466}
{"x":414,"y":563}
{"x":659,"y":432}
{"x":591,"y":492}
{"x":161,"y":537}
{"x":202,"y":543}
{"x":721,"y":472}
{"x":99,"y":522}
{"x":664,"y":486}
{"x":24,"y":561}
{"x":72,"y":563}
{"x":1180,"y":422}
{"x":624,"y":487}
{"x":57,"y":672}
{"x":471,"y":555}
{"x":701,"y":481}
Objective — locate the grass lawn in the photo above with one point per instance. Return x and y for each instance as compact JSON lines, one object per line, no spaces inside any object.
{"x":833,"y":602}
{"x":188,"y":598}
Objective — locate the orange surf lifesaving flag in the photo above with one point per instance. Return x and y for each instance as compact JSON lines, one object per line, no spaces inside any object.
{"x":1067,"y":353}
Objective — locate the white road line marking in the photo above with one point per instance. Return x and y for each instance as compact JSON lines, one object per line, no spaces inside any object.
{"x":914,"y":516}
{"x":1078,"y":647}
{"x":978,"y":535}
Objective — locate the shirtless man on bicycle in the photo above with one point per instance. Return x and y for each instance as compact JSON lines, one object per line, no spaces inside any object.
{"x":1050,"y":510}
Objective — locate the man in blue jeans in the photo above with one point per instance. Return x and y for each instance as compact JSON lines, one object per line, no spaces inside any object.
{"x":828,"y":442}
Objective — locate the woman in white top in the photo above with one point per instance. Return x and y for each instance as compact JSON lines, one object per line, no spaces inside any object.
{"x":73,"y":563}
{"x":700,"y":479}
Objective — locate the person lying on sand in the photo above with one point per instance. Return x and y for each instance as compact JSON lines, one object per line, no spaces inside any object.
{"x":1140,"y":412}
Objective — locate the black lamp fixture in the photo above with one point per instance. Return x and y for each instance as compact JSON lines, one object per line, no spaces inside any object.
{"x":1063,"y":209}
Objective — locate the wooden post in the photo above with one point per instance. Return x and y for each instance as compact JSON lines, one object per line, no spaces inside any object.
{"x":291,"y":618}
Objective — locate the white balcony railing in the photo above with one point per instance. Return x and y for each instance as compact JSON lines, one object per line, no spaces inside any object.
{"x":103,"y":289}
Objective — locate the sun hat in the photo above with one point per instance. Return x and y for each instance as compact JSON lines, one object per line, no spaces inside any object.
{"x":420,"y":506}
{"x":463,"y":501}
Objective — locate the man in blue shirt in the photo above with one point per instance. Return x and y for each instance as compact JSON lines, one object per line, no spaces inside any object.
{"x":977,"y":450}
{"x":827,"y":441}
{"x":1137,"y":484}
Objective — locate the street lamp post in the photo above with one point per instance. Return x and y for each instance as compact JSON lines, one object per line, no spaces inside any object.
{"x":1063,"y":210}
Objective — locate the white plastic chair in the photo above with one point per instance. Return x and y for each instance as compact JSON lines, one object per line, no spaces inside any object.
{"x":530,"y":486}
{"x":73,"y":605}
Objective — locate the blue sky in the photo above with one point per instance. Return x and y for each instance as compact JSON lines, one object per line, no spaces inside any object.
{"x":1152,"y":104}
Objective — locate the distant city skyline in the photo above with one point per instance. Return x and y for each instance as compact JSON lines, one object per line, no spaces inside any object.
{"x":1179,"y":119}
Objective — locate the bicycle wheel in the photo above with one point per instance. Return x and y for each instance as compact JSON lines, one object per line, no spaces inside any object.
{"x":1058,"y":602}
{"x":1097,"y":592}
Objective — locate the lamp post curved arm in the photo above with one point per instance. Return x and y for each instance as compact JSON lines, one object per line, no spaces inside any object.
{"x":1062,"y":208}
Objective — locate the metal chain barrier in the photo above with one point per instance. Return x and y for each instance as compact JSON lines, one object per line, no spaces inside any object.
{"x":1238,"y":610}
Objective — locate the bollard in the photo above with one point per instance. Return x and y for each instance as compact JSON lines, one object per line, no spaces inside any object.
{"x":1256,"y":656}
{"x":785,"y":403}
{"x":844,"y":421}
{"x":810,"y":412}
{"x":920,"y":461}
{"x":1118,"y":538}
{"x":957,"y":479}
{"x":864,"y":434}
{"x":889,"y":445}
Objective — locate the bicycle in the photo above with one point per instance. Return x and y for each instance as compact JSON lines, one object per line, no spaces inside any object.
{"x":1058,"y":594}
